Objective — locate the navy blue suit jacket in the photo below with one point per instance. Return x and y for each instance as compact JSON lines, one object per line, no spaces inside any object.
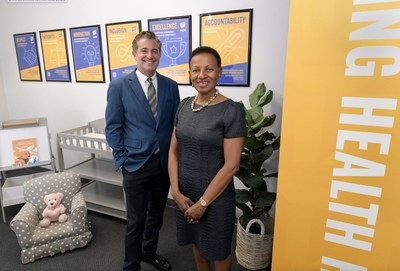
{"x":131,"y":130}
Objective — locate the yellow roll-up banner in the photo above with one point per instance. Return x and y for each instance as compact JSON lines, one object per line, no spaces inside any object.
{"x":338,"y":193}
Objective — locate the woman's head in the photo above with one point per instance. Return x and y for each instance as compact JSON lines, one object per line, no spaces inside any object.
{"x":206,"y":50}
{"x":205,"y":69}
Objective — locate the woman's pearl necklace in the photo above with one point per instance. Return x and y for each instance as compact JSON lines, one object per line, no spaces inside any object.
{"x":204,"y":105}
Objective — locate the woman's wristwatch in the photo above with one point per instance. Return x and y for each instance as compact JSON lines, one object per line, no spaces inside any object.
{"x":203,"y":203}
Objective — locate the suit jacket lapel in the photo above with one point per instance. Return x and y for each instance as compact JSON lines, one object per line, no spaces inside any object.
{"x":138,"y":92}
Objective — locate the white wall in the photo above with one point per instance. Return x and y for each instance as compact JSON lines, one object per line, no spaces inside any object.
{"x":3,"y":101}
{"x":69,"y":105}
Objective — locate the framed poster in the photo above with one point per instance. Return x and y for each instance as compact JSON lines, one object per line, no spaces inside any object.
{"x":87,"y":53}
{"x":229,"y":32}
{"x":55,"y":56}
{"x":27,"y":57}
{"x":175,"y":36}
{"x":119,"y":47}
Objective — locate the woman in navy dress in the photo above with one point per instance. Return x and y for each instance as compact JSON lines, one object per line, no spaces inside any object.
{"x":204,"y":156}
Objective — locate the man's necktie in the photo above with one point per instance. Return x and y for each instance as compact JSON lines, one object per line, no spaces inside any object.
{"x":151,"y":96}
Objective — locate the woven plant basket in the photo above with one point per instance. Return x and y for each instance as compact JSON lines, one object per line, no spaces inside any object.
{"x":254,"y":251}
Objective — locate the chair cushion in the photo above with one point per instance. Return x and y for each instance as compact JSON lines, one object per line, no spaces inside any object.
{"x":70,"y":243}
{"x":68,"y":183}
{"x":53,"y":232}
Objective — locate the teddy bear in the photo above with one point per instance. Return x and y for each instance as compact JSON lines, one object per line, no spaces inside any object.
{"x":54,"y":210}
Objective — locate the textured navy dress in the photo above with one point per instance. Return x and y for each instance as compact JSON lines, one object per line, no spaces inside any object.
{"x":200,"y":137}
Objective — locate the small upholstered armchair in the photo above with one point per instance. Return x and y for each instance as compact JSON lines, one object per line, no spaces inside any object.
{"x":37,"y":242}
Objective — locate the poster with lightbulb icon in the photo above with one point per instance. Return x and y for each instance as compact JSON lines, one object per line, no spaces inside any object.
{"x":175,"y":36}
{"x":87,"y":54}
{"x":119,"y":47}
{"x":229,"y":32}
{"x":27,"y":57}
{"x":55,"y":56}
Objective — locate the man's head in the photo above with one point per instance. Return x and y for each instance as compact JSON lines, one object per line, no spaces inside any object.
{"x":146,"y":49}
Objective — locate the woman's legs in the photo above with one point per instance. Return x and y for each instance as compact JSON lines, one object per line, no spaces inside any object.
{"x":205,"y":265}
{"x":201,"y":263}
{"x":224,"y":265}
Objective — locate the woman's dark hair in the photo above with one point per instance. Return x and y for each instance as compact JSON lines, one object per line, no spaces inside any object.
{"x":207,"y":50}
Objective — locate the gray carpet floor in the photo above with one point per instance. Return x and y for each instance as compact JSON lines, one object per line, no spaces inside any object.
{"x":104,"y":253}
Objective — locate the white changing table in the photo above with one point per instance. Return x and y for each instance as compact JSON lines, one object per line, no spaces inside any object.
{"x":104,"y":193}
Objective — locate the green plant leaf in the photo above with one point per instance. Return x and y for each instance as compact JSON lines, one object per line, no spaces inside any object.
{"x":245,"y":154}
{"x":272,"y":175}
{"x":277,"y":143}
{"x":266,"y":98}
{"x":256,"y":114}
{"x":271,"y":196}
{"x":249,"y":118}
{"x":243,"y":196}
{"x":256,"y":127}
{"x":252,"y":142}
{"x":271,"y":119}
{"x":256,"y":181}
{"x":267,"y":208}
{"x":264,"y":154}
{"x":266,"y":136}
{"x":245,"y":219}
{"x":245,"y":209}
{"x":262,"y":122}
{"x":258,"y":213}
{"x":256,"y":95}
{"x":243,"y":175}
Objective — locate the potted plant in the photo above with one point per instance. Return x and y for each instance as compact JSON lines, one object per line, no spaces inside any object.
{"x":256,"y":201}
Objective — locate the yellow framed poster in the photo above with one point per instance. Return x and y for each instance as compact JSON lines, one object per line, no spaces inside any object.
{"x":338,"y":185}
{"x":119,"y":47}
{"x":229,"y":32}
{"x":55,"y":55}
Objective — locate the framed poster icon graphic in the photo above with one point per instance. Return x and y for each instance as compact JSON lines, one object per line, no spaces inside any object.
{"x":175,"y":36}
{"x":229,"y":32}
{"x":27,"y":57}
{"x":55,"y":55}
{"x":87,"y":54}
{"x":119,"y":47}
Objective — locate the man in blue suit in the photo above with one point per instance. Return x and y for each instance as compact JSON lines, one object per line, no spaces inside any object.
{"x":139,"y":122}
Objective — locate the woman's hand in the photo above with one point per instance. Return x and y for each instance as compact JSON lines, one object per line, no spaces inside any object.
{"x":182,"y":201}
{"x":194,"y":213}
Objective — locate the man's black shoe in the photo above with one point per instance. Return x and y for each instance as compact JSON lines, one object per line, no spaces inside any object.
{"x":157,"y":261}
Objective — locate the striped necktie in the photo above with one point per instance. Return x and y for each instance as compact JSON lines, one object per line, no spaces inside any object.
{"x":151,"y":96}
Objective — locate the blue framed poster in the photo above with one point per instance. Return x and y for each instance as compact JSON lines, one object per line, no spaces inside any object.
{"x":87,"y":53}
{"x":27,"y":57}
{"x":119,"y":47}
{"x":175,"y":36}
{"x":55,"y":55}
